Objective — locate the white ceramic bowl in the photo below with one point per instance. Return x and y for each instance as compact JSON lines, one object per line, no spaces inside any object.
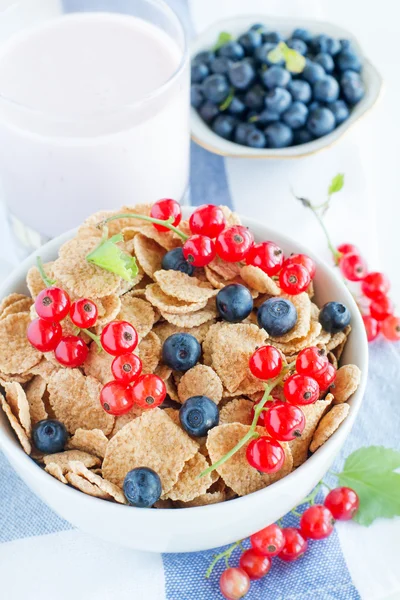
{"x":204,"y":136}
{"x":192,"y":529}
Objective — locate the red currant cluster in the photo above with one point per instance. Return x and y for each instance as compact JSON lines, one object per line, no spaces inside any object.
{"x":288,"y":544}
{"x":284,"y":421}
{"x":374,"y":287}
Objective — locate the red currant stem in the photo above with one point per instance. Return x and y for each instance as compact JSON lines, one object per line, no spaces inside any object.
{"x":49,"y":282}
{"x":310,"y":499}
{"x":251,"y":434}
{"x":226,"y":554}
{"x":94,"y":337}
{"x":166,"y":223}
{"x":326,"y":485}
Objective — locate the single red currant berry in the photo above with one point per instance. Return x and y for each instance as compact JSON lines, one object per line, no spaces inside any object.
{"x":255,"y":564}
{"x":261,"y":416}
{"x":119,"y":337}
{"x":266,"y":362}
{"x":83,"y":313}
{"x":371,"y":327}
{"x":284,"y":422}
{"x":301,"y":389}
{"x":312,"y":361}
{"x":375,"y":284}
{"x":234,"y":583}
{"x":390,"y":328}
{"x":43,"y":335}
{"x":71,"y":351}
{"x":343,"y":502}
{"x":126,"y":367}
{"x":207,"y":220}
{"x":116,"y":398}
{"x":52,"y":304}
{"x":199,"y":250}
{"x":269,"y":541}
{"x":295,"y":545}
{"x":234,"y":243}
{"x":149,"y":391}
{"x":327,"y":379}
{"x":381,"y":308}
{"x":294,"y":279}
{"x":304,"y":260}
{"x":317,"y":522}
{"x":265,"y":455}
{"x":166,"y":209}
{"x":353,"y":267}
{"x":347,"y":249}
{"x":267,"y":256}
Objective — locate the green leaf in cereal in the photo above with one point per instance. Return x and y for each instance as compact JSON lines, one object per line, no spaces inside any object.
{"x":223,"y":38}
{"x":112,"y":258}
{"x":336,"y":184}
{"x":294,"y":61}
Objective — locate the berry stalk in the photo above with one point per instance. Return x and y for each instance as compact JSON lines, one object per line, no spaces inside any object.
{"x":226,"y":554}
{"x":165,"y":223}
{"x":47,"y":281}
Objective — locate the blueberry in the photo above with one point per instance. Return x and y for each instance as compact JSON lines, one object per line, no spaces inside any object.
{"x":224,"y":126}
{"x":340,"y":111}
{"x":259,"y":27}
{"x":324,"y":43}
{"x":297,"y":44}
{"x":204,"y":57}
{"x":208,"y":111}
{"x":296,"y":115}
{"x":181,"y":351}
{"x":142,"y":487}
{"x":261,"y":54}
{"x":320,"y":121}
{"x":267,"y":116}
{"x":49,"y":436}
{"x":231,"y":50}
{"x":254,"y":98}
{"x":300,"y":90}
{"x":198,"y":415}
{"x":250,"y":41}
{"x":348,"y":60}
{"x":236,"y":107}
{"x":277,"y":316}
{"x":345,"y":44}
{"x":314,"y":105}
{"x":175,"y":261}
{"x":216,"y":88}
{"x":302,"y":34}
{"x":278,"y":135}
{"x":334,"y":317}
{"x":234,"y":303}
{"x":242,"y":131}
{"x":273,"y":36}
{"x":220,"y":65}
{"x":256,"y":139}
{"x":353,"y":90}
{"x":301,"y":136}
{"x":313,"y":72}
{"x":326,"y":90}
{"x":326,"y":61}
{"x":196,"y":95}
{"x":198,"y":72}
{"x":241,"y":74}
{"x":278,"y":100}
{"x":349,"y":74}
{"x":276,"y":77}
{"x":333,"y":46}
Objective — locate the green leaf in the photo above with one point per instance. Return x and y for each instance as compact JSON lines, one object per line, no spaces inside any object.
{"x":294,"y":61}
{"x":226,"y":103}
{"x":223,"y":38}
{"x":276,"y":55}
{"x":370,"y":472}
{"x":336,"y":184}
{"x":112,"y":258}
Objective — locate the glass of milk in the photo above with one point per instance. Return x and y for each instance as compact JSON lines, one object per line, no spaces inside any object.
{"x":94,"y":110}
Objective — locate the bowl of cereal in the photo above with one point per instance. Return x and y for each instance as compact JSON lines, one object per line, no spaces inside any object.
{"x":167,"y":460}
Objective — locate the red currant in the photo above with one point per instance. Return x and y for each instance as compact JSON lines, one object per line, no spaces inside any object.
{"x":294,"y":279}
{"x":265,"y":455}
{"x":255,"y":564}
{"x":381,"y":308}
{"x":261,"y":416}
{"x":353,"y":266}
{"x":266,"y":362}
{"x":295,"y":545}
{"x":234,"y":243}
{"x":149,"y":391}
{"x":83,"y":313}
{"x":284,"y":422}
{"x":207,"y":220}
{"x":317,"y":522}
{"x":312,"y":361}
{"x":347,"y":249}
{"x":371,"y":327}
{"x":375,"y":284}
{"x":116,"y":398}
{"x":165,"y":209}
{"x":343,"y":502}
{"x":71,"y":351}
{"x":52,"y":304}
{"x":390,"y":328}
{"x":327,"y":378}
{"x":269,"y":541}
{"x":267,"y":256}
{"x":234,"y":583}
{"x":304,"y":260}
{"x":119,"y":337}
{"x":126,"y":367}
{"x":301,"y":389}
{"x":199,"y":250}
{"x":43,"y":335}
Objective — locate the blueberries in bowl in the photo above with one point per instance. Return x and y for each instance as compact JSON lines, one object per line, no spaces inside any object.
{"x":234,"y":303}
{"x":198,"y":415}
{"x":49,"y":436}
{"x":334,"y":317}
{"x":277,"y":316}
{"x":181,"y":351}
